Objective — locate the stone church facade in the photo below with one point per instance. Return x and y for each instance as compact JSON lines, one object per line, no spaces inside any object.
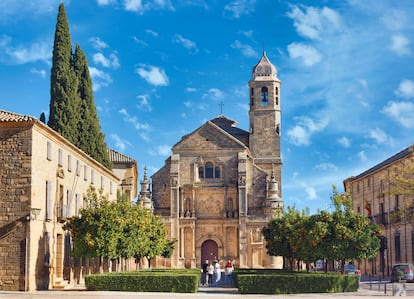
{"x":221,"y":185}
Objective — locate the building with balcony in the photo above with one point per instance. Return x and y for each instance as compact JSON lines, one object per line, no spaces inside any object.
{"x":373,"y":197}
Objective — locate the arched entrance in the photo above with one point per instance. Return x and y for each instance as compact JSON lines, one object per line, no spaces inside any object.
{"x":209,"y":251}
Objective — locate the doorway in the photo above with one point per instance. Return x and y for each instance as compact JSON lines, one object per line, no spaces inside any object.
{"x":209,"y":251}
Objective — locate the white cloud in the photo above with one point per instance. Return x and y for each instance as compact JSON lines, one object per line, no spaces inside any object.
{"x":134,"y":5}
{"x":161,"y":150}
{"x":378,"y":135}
{"x":405,"y":89}
{"x":133,"y":120}
{"x":362,"y":156}
{"x":395,"y":19}
{"x":186,"y":43}
{"x":139,"y":7}
{"x":344,"y":141}
{"x":38,"y":51}
{"x":139,"y":41}
{"x":41,"y":73}
{"x":400,"y":112}
{"x":326,"y":167}
{"x":144,"y":103}
{"x":307,"y":54}
{"x":400,"y":44}
{"x":239,"y":8}
{"x":247,"y":50}
{"x":300,"y":134}
{"x":105,"y":2}
{"x":153,"y":75}
{"x":312,"y":22}
{"x":97,"y":43}
{"x":191,"y":89}
{"x":111,"y":62}
{"x":152,"y":32}
{"x":214,"y":94}
{"x":99,"y":78}
{"x":120,"y":144}
{"x":310,"y":191}
{"x":246,"y":33}
{"x":13,"y":9}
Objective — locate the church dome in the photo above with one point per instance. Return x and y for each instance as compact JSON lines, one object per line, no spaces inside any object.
{"x":264,"y":68}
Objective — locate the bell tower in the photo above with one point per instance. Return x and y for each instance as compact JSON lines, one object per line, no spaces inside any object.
{"x":265,"y":117}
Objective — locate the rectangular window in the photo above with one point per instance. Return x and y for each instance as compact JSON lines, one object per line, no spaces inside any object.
{"x":358,"y":187}
{"x":68,"y":209}
{"x":397,"y":248}
{"x":78,"y":168}
{"x":102,"y":182}
{"x":49,"y":202}
{"x":382,"y":213}
{"x":85,"y":172}
{"x":77,"y":203}
{"x":111,"y":187}
{"x":60,"y":202}
{"x":92,"y":177}
{"x":69,"y":163}
{"x":49,"y":151}
{"x":369,"y":183}
{"x":60,"y":157}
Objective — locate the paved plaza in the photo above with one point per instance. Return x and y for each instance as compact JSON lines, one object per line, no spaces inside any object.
{"x":366,"y":290}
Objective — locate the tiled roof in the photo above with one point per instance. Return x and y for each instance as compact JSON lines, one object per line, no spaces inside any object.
{"x":398,"y":156}
{"x":117,"y":157}
{"x":6,"y":116}
{"x":229,"y":126}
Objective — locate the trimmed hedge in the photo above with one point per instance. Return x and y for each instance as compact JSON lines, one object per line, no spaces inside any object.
{"x":268,"y":282}
{"x":183,"y":281}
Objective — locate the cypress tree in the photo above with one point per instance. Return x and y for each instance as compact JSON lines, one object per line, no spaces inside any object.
{"x":72,"y":108}
{"x":91,"y":140}
{"x":64,"y":101}
{"x":42,"y":117}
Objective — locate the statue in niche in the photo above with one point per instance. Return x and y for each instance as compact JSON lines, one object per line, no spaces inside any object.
{"x":242,"y":180}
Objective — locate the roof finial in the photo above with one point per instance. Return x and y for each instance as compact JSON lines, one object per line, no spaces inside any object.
{"x":221,"y":107}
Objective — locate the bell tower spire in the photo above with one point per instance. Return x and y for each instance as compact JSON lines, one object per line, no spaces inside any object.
{"x":265,"y":117}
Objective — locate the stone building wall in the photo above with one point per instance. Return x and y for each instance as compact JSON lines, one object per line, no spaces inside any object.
{"x":15,"y":184}
{"x":43,"y":179}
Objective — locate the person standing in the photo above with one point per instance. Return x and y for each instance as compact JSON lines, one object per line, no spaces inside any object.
{"x":228,"y":274}
{"x":217,"y":272}
{"x":210,"y":273}
{"x":204,"y":274}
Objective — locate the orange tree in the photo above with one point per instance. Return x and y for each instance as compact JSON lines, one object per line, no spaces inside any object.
{"x":341,"y":235}
{"x":116,"y":229}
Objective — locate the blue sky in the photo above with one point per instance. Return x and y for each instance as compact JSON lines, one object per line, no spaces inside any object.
{"x":161,"y":68}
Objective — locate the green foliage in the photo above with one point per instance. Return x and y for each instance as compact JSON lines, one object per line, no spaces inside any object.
{"x":116,"y":229}
{"x":341,"y":235}
{"x":42,"y":117}
{"x":294,"y":283}
{"x":91,"y":140}
{"x":72,"y":108}
{"x":145,"y":281}
{"x":63,"y":117}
